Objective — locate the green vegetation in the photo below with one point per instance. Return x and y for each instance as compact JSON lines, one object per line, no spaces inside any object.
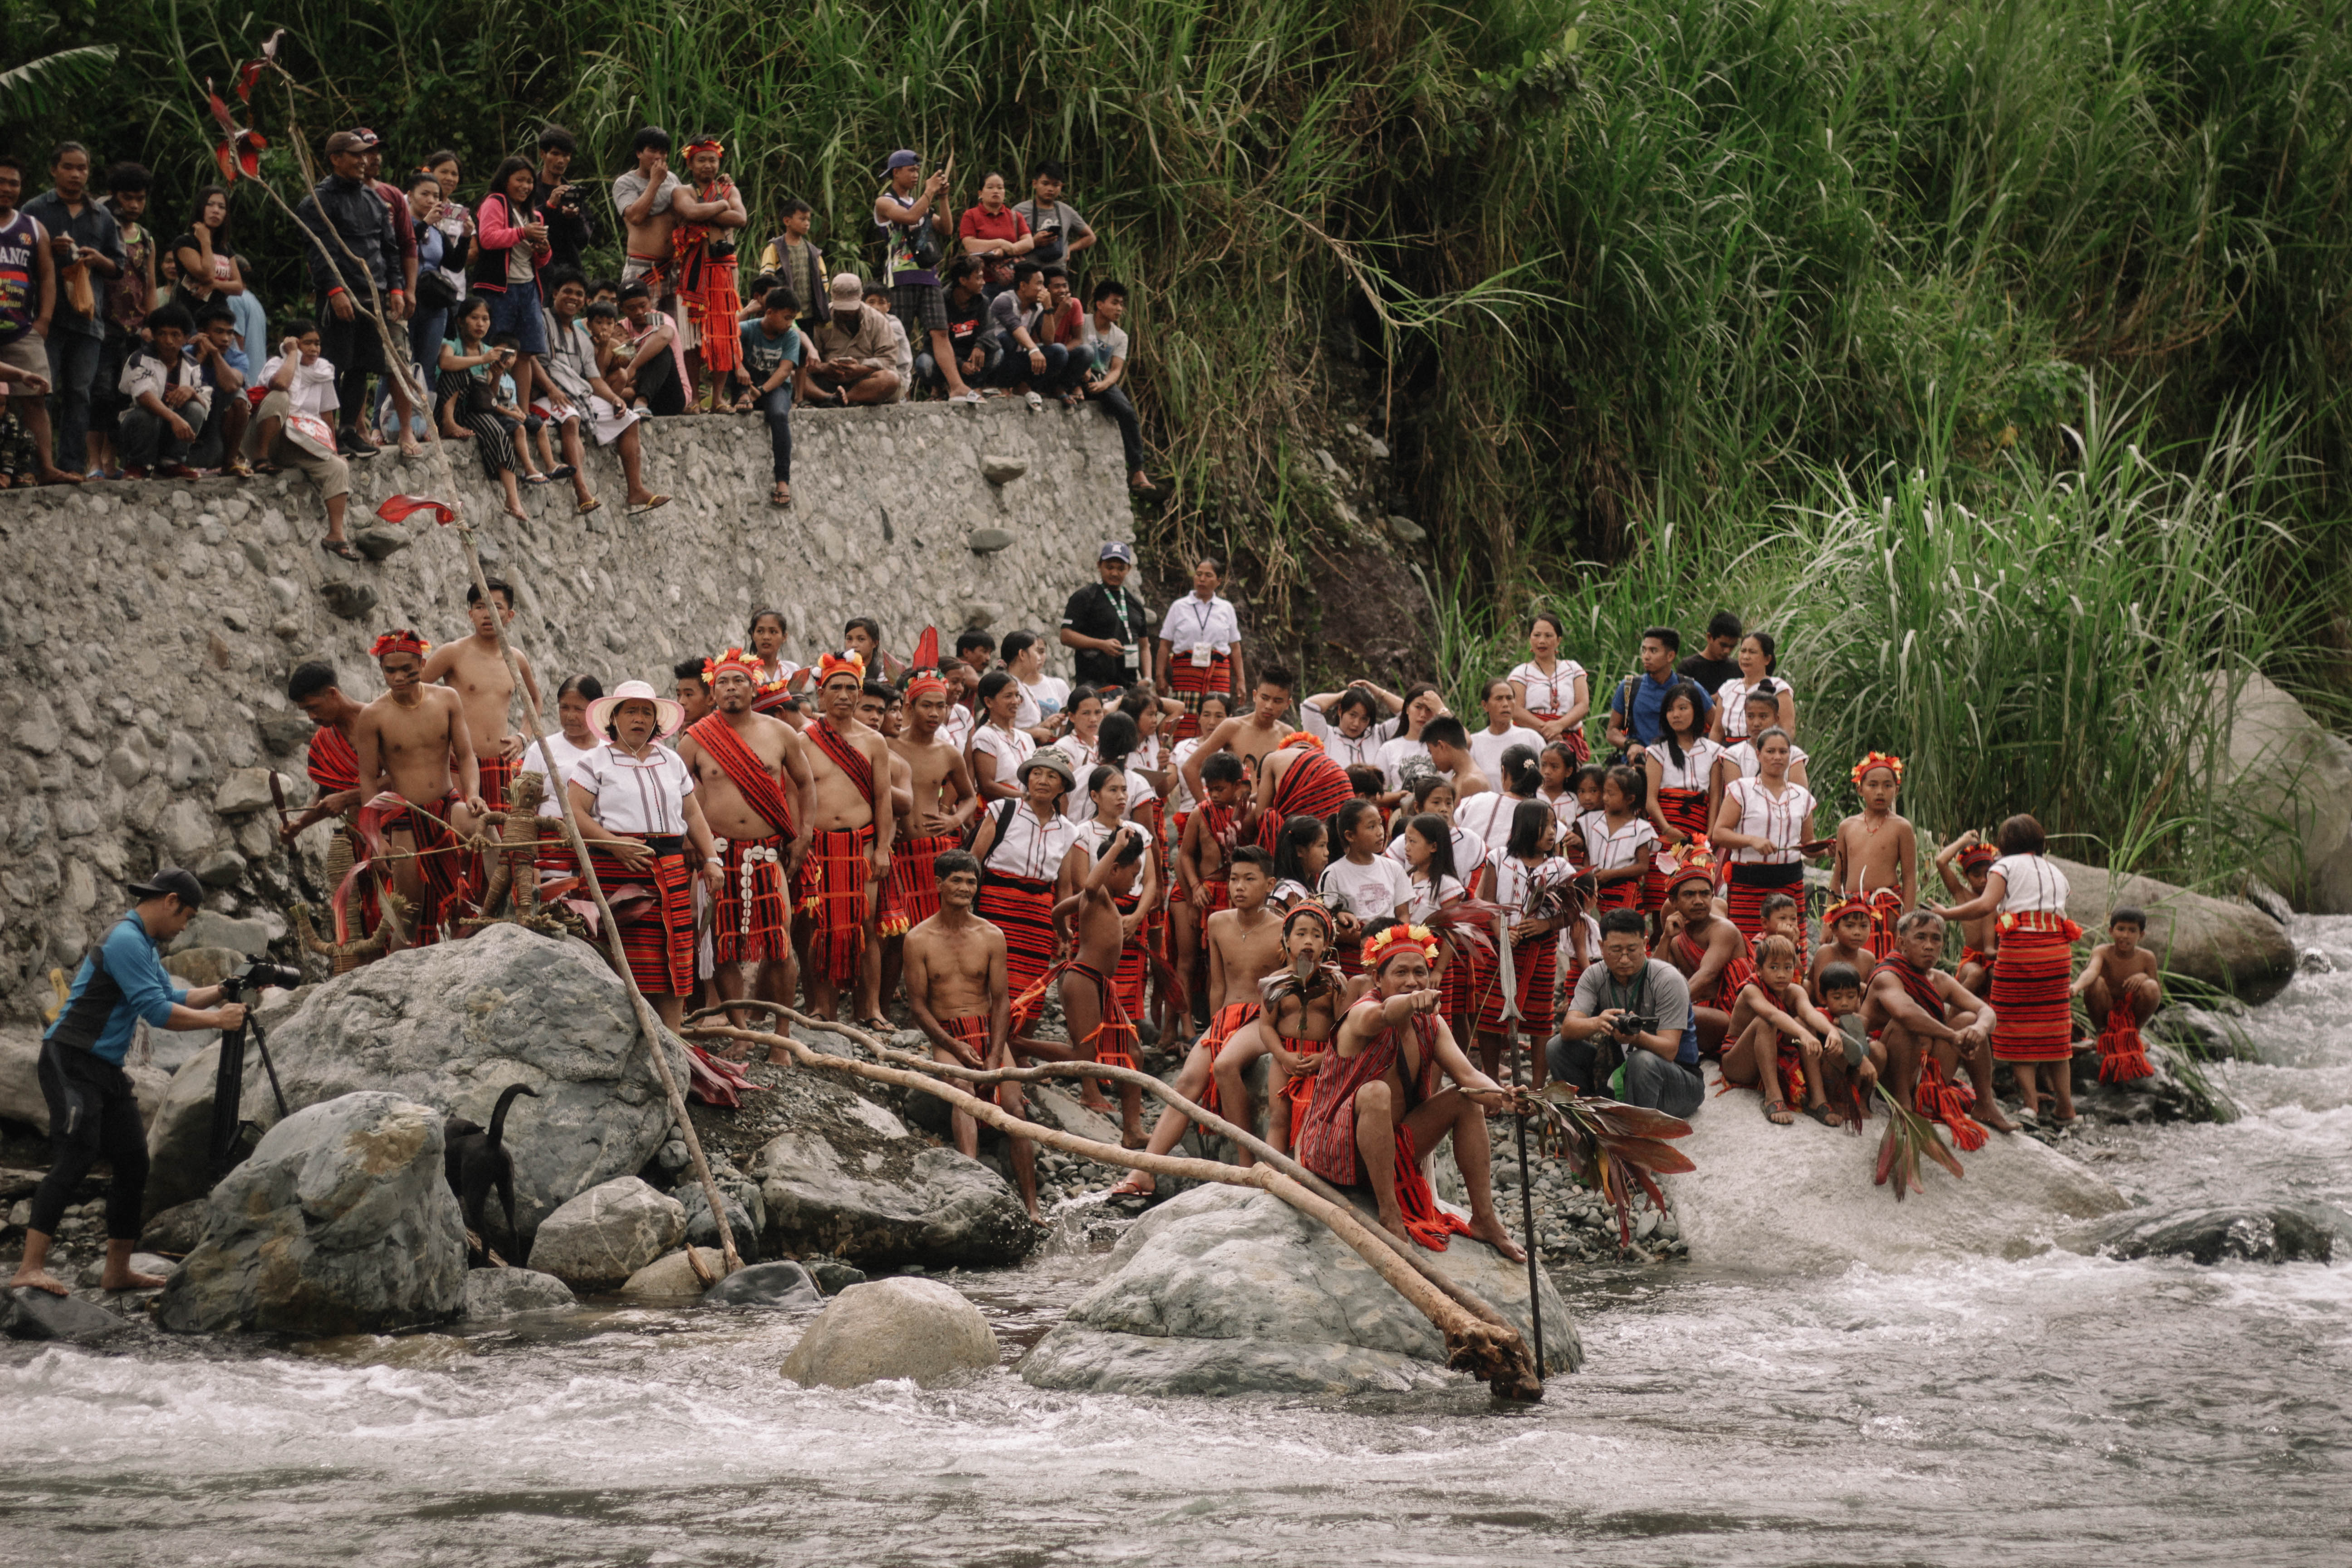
{"x":1787,"y":305}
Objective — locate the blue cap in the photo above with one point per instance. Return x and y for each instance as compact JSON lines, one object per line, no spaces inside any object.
{"x":1113,"y":550}
{"x":901,"y":159}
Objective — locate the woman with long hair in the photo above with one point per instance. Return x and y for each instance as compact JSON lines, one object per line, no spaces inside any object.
{"x":999,"y":746}
{"x":1762,"y":822}
{"x":1535,"y":889}
{"x":1682,"y":782}
{"x":207,"y":257}
{"x":468,"y":396}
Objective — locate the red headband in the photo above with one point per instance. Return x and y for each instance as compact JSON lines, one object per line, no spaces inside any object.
{"x":1878,"y":760}
{"x":1381,"y":946}
{"x":711,"y":146}
{"x":403,"y":640}
{"x":926,"y":682}
{"x":733,"y":658}
{"x":843,"y":663}
{"x":1977,"y":855}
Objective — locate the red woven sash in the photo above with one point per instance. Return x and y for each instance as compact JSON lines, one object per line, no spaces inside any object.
{"x":847,"y":757}
{"x":744,"y":770}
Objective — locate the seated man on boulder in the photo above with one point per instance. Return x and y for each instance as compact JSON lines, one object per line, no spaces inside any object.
{"x":1929,"y":1025}
{"x":1378,"y":1100}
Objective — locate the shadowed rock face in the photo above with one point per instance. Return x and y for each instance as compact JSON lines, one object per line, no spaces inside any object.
{"x":1226,"y":1291}
{"x":2225,"y":943}
{"x":2284,"y":1233}
{"x":340,"y":1222}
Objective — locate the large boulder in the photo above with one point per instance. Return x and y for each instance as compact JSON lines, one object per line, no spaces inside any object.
{"x":1230,"y":1291}
{"x":2224,"y":943}
{"x":453,"y":1024}
{"x":341,"y":1222}
{"x":848,"y":1178}
{"x":2279,"y":763}
{"x":608,"y":1233}
{"x":781,"y":1284}
{"x":901,"y":1328}
{"x":179,"y":1135}
{"x":1801,"y":1197}
{"x":676,"y":1277}
{"x":20,"y":1084}
{"x":506,"y":1292}
{"x":2281,"y":1233}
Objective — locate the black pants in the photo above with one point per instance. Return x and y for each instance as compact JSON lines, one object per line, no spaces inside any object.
{"x":355,"y":348}
{"x":1130,"y":431}
{"x":776,"y":407}
{"x":93,"y":1114}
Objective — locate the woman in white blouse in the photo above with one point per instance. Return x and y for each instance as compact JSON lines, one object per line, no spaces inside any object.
{"x":1550,"y":694}
{"x":573,"y":742}
{"x":634,"y":800}
{"x":1023,"y":849}
{"x":999,"y":744}
{"x":1765,"y":822}
{"x":2032,"y":1005}
{"x":1757,"y":667}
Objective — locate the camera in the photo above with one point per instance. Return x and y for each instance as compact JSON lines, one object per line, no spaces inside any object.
{"x":257,"y":974}
{"x":1636,"y":1024}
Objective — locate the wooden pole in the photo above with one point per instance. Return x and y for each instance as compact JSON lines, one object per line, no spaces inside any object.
{"x":1509,"y":975}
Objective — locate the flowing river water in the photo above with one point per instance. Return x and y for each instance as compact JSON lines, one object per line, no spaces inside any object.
{"x":2057,"y":1409}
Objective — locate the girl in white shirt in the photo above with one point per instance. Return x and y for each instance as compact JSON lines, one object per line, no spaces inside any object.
{"x":1301,"y":853}
{"x":1618,"y":842}
{"x":1043,"y":696}
{"x":1738,"y":761}
{"x":1422,"y":704}
{"x":1487,"y":745}
{"x":1681,"y":768}
{"x":998,"y":745}
{"x":1757,"y":664}
{"x":1366,"y":889}
{"x":2033,"y":1020}
{"x":1214,"y":711}
{"x":1432,"y":795}
{"x":1349,"y":723}
{"x":1488,"y":815}
{"x":1523,"y":877}
{"x":1550,"y":694}
{"x":1763,"y":822}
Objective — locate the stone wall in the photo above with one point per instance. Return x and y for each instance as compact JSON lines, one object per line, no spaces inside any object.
{"x":147,"y":629}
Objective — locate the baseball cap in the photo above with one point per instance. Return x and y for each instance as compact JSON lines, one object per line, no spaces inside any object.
{"x":901,"y":159}
{"x":1113,"y":550}
{"x":346,"y":141}
{"x":366,"y":137}
{"x":172,"y":880}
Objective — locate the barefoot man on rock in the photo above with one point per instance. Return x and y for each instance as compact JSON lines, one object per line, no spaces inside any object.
{"x":955,"y":987}
{"x":414,"y":743}
{"x":93,"y":1111}
{"x":751,"y":775}
{"x":476,"y":671}
{"x":850,"y":821}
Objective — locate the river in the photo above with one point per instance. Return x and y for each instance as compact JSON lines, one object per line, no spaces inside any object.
{"x":2058,"y":1410}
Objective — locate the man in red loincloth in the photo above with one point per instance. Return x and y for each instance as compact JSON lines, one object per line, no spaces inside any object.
{"x":850,"y":820}
{"x":413,"y":744}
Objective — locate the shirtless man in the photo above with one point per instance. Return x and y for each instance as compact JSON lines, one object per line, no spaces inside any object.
{"x":1449,"y":754}
{"x":1919,"y":1012}
{"x":1249,"y":736}
{"x":474,"y":668}
{"x":415,"y":742}
{"x":643,"y":195}
{"x":1309,"y":997}
{"x":751,"y":775}
{"x":333,"y":765}
{"x":879,"y":710}
{"x":1244,"y":946}
{"x":944,"y":799}
{"x":1380,"y":1077}
{"x":1201,"y":857}
{"x":955,"y":987}
{"x":1877,"y":853}
{"x":1099,"y":1030}
{"x":1707,"y":947}
{"x":850,"y":823}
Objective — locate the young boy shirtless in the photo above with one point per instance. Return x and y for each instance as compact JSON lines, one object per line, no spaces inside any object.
{"x":1875,"y":854}
{"x":2121,"y":990}
{"x":955,"y":987}
{"x":1244,"y":946}
{"x":1773,"y":1009}
{"x":1303,"y":1001}
{"x":1848,"y":925}
{"x":1100,"y":1029}
{"x":1928,"y":1019}
{"x":1202,"y":856}
{"x":1980,"y":937}
{"x":1848,"y":1075}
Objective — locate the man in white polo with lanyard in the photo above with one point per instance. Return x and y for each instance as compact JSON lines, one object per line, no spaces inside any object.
{"x":1201,"y":647}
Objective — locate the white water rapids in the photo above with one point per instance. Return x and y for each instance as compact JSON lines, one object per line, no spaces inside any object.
{"x":2058,"y":1410}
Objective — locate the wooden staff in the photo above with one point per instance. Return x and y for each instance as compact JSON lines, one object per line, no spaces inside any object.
{"x":1507,"y":973}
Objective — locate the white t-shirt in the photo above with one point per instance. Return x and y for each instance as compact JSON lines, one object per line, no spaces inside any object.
{"x":1372,"y":891}
{"x":1101,"y":346}
{"x":1424,"y":899}
{"x":1395,"y":756}
{"x":2035,"y":884}
{"x":1554,"y":693}
{"x":1783,"y":821}
{"x":1487,"y":817}
{"x":1731,"y":699}
{"x":1487,"y":748}
{"x":565,"y":754}
{"x":1027,"y":847}
{"x":1743,"y":757}
{"x":956,"y":728}
{"x":1608,"y":849}
{"x":1697,"y":771}
{"x":1517,"y":886}
{"x":1081,"y":807}
{"x":1360,"y":751}
{"x":1181,"y":800}
{"x":636,"y":794}
{"x":313,"y":391}
{"x":1469,"y":850}
{"x":1190,"y":622}
{"x":1040,"y":701}
{"x":1009,"y":748}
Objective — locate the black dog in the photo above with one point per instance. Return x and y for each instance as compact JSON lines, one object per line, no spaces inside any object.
{"x":478,"y":1161}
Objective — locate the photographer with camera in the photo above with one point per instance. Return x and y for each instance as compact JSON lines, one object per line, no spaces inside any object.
{"x":1633,"y":1010}
{"x":571,"y":230}
{"x":93,"y":1111}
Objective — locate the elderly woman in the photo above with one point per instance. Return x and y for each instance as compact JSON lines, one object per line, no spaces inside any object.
{"x":633,"y":799}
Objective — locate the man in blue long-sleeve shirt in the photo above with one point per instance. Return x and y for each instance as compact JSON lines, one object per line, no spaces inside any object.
{"x":93,"y":1111}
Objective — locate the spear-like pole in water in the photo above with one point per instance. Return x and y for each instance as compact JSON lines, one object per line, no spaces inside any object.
{"x":1506,"y":975}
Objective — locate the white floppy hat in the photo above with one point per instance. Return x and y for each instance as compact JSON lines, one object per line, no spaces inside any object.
{"x":669,"y":714}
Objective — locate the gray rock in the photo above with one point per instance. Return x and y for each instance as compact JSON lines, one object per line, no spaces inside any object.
{"x":2281,"y":763}
{"x":177,"y":1231}
{"x":1404,"y":530}
{"x":94,"y":1271}
{"x":213,"y":929}
{"x":841,"y":1184}
{"x":2211,"y":1034}
{"x":341,"y":1223}
{"x":832,"y":1276}
{"x":2224,"y":943}
{"x":785,"y":1284}
{"x":606,"y":1233}
{"x":741,"y":1219}
{"x":203,"y":967}
{"x":246,"y":790}
{"x":20,"y":1089}
{"x":506,"y":1293}
{"x":37,"y":1315}
{"x":989,"y":541}
{"x":453,"y":1024}
{"x":224,"y":869}
{"x":1229,"y":1290}
{"x":2282,"y":1233}
{"x":890,"y":1329}
{"x":998,"y":469}
{"x":378,"y":542}
{"x":675,"y":1278}
{"x":350,"y":600}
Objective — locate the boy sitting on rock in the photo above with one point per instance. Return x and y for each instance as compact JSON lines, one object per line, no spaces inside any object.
{"x":2121,"y":990}
{"x":1777,"y":1039}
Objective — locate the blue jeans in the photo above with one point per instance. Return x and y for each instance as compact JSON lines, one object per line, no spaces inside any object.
{"x":73,"y":367}
{"x":1061,"y":372}
{"x":776,"y":407}
{"x":515,"y":310}
{"x":926,"y":366}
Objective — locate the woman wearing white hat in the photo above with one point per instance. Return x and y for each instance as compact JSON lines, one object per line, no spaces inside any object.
{"x":635,"y":799}
{"x":1022,"y":846}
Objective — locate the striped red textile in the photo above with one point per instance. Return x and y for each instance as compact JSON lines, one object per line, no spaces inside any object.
{"x":1536,"y":964}
{"x":1227,"y":1023}
{"x":1301,"y":1091}
{"x":498,"y":778}
{"x":1751,"y":885}
{"x":753,"y":922}
{"x":1189,"y":682}
{"x":1023,"y":909}
{"x":2033,"y":1017}
{"x":1312,"y":785}
{"x":914,"y":885}
{"x":657,"y":926}
{"x":832,"y":891}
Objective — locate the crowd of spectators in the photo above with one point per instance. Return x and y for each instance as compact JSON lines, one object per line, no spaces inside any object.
{"x":124,"y":354}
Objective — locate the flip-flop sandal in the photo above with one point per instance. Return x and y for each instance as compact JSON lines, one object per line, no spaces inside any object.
{"x":877,"y":1025}
{"x":1781,"y":1106}
{"x":1825,"y":1115}
{"x":538,"y":478}
{"x":648,"y":506}
{"x":591,"y":504}
{"x":780,"y":498}
{"x":561,"y":471}
{"x":342,"y":548}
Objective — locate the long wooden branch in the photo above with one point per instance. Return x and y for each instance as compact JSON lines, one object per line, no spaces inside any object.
{"x":1493,"y":1353}
{"x":1415,"y":1257}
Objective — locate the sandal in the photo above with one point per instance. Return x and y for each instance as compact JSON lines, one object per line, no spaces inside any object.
{"x":538,"y":478}
{"x":561,"y":471}
{"x":878,"y":1026}
{"x":637,"y":509}
{"x":341,"y":548}
{"x":1825,"y":1115}
{"x":591,"y":504}
{"x":1776,"y":1112}
{"x":781,"y":495}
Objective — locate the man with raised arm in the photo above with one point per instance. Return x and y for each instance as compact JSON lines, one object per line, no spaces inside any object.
{"x":413,"y":743}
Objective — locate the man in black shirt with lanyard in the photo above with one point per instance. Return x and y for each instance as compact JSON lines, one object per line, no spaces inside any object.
{"x":1106,"y":625}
